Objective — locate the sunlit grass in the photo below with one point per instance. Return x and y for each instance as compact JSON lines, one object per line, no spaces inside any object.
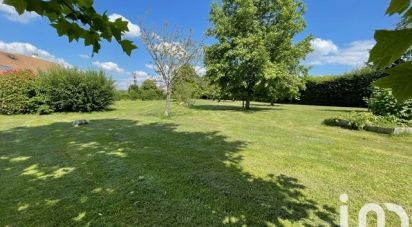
{"x":208,"y":165}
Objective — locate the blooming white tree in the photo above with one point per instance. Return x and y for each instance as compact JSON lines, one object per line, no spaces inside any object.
{"x":170,"y":50}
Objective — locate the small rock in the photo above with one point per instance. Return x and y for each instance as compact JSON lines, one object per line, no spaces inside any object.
{"x":78,"y":123}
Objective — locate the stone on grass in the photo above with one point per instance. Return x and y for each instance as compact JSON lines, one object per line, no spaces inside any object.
{"x":78,"y":123}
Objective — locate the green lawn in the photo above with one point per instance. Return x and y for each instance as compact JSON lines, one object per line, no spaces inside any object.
{"x":209,"y":165}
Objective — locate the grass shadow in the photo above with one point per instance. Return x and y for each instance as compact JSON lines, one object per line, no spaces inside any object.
{"x":123,"y":172}
{"x":220,"y":107}
{"x":343,"y":111}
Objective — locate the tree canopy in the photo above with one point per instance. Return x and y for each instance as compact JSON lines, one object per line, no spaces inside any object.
{"x":255,"y":46}
{"x":77,"y":19}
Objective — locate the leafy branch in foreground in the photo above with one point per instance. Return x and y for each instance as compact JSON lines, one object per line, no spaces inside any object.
{"x":390,"y":49}
{"x":77,"y":19}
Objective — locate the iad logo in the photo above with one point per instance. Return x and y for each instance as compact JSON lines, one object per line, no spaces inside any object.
{"x":372,"y":207}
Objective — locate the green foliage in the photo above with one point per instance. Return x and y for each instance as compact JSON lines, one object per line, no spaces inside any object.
{"x":398,"y":6}
{"x":120,"y":95}
{"x":383,"y":103}
{"x":282,"y":87}
{"x":17,"y":92}
{"x":78,"y":19}
{"x":44,"y":109}
{"x":212,"y":157}
{"x":150,"y":91}
{"x":208,"y":90}
{"x":255,"y":45}
{"x":358,"y":121}
{"x":347,"y":90}
{"x":391,"y":46}
{"x":400,"y":81}
{"x":72,"y":90}
{"x":133,"y":92}
{"x":186,"y":86}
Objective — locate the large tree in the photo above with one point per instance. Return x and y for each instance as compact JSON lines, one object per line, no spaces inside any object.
{"x":78,"y":19}
{"x":255,"y":45}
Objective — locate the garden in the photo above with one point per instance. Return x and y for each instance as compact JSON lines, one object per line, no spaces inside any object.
{"x":253,"y":141}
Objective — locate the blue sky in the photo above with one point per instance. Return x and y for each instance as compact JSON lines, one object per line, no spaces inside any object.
{"x":343,"y":30}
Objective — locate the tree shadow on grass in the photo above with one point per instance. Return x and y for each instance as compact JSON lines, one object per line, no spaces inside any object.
{"x":220,"y":107}
{"x":344,"y":111}
{"x":122,"y":172}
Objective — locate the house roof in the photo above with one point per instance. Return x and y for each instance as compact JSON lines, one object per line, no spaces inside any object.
{"x":10,"y":61}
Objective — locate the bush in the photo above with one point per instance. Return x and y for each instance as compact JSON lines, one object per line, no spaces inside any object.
{"x":348,"y":90}
{"x":186,"y":86}
{"x":151,"y":94}
{"x":44,"y":110}
{"x":383,"y":103}
{"x":185,"y":93}
{"x":120,"y":95}
{"x":150,"y":91}
{"x":133,"y":92}
{"x":359,"y":121}
{"x":72,"y":90}
{"x":17,"y":92}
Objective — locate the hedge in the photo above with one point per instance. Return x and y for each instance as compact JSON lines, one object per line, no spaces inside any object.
{"x":348,"y":90}
{"x":59,"y":90}
{"x":73,"y":90}
{"x":17,"y":90}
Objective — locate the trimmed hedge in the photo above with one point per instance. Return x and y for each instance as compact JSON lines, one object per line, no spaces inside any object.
{"x":347,"y":90}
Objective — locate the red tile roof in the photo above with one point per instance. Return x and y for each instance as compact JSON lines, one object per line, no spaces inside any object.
{"x":21,"y":62}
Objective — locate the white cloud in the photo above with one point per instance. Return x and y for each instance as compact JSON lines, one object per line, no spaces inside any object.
{"x":326,"y":53}
{"x":29,"y":49}
{"x":134,"y":30}
{"x":84,"y":56}
{"x":141,"y":76}
{"x":150,"y":66}
{"x":11,"y":14}
{"x":109,"y":66}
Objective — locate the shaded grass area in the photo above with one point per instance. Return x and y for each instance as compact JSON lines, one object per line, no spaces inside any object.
{"x":207,"y":166}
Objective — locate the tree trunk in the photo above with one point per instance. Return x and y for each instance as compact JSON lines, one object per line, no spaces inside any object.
{"x":247,"y":104}
{"x":272,"y":103}
{"x":243,"y":104}
{"x":168,"y":98}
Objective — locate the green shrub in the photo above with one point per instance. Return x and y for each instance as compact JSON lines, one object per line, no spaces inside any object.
{"x":359,"y":121}
{"x":150,"y":91}
{"x":120,"y":95}
{"x":383,"y":103}
{"x":146,"y":95}
{"x":186,"y":86}
{"x":44,"y":110}
{"x":72,"y":90}
{"x":347,"y":90}
{"x":133,"y":92}
{"x":17,"y":90}
{"x":184,"y":93}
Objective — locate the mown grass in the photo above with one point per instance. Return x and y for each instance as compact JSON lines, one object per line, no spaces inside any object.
{"x":210,"y":165}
